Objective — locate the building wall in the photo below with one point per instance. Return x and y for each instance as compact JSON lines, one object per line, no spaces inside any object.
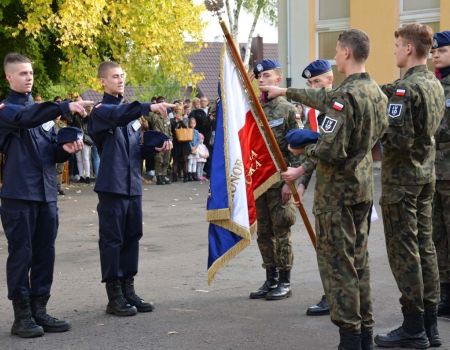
{"x":314,"y":29}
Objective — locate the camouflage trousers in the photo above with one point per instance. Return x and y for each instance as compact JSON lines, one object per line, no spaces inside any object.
{"x":59,"y":173}
{"x":441,"y":228}
{"x":412,"y":256}
{"x":343,"y":261}
{"x":162,"y":160}
{"x":274,"y":230}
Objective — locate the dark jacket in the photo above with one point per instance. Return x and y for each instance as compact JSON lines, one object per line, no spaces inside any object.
{"x":116,"y":132}
{"x":30,"y":148}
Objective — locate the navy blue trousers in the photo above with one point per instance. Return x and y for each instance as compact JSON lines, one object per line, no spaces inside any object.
{"x":30,"y":228}
{"x":120,"y":229}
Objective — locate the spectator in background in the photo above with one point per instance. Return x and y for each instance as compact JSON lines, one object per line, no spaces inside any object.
{"x":192,"y":157}
{"x":203,"y":155}
{"x":180,"y":150}
{"x":38,"y":99}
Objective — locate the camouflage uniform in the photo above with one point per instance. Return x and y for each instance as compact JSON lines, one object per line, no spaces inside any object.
{"x":441,"y":202}
{"x":416,"y":106}
{"x":275,"y":218}
{"x":162,"y":159}
{"x":355,"y":119}
{"x":59,"y":124}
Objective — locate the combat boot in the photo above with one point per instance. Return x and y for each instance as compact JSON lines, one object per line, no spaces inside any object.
{"x":411,"y":334}
{"x":283,"y":290}
{"x":321,"y":308}
{"x":194,"y":176}
{"x":270,"y":284}
{"x":130,"y":295}
{"x":47,"y":322}
{"x":444,"y":303}
{"x":431,"y":327}
{"x":349,"y":340}
{"x":367,"y":339}
{"x":117,"y":304}
{"x":24,"y":325}
{"x":159,"y":180}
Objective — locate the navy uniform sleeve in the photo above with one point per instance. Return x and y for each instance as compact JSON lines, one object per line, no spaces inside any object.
{"x":105,"y":117}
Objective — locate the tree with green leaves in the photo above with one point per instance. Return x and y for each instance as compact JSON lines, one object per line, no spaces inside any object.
{"x":67,"y":39}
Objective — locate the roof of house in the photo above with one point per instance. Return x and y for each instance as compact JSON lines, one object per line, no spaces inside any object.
{"x":207,"y":61}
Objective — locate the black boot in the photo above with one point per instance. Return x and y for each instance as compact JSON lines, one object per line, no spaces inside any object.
{"x":24,"y":325}
{"x":411,"y":334}
{"x":194,"y":176}
{"x":431,"y":327}
{"x":270,"y":284}
{"x":367,"y":339}
{"x":159,"y":180}
{"x":283,"y":289}
{"x":129,"y":293}
{"x":117,"y":304}
{"x":444,"y":303}
{"x":49,"y":323}
{"x":349,"y":340}
{"x":321,"y":308}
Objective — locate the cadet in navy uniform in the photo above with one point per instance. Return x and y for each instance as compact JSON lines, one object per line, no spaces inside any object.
{"x":28,"y":197}
{"x":115,"y":128}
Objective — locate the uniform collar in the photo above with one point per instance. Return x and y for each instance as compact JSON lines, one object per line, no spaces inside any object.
{"x":273,"y":102}
{"x":18,"y":98}
{"x":111,"y":100}
{"x":415,"y":69}
{"x":356,"y":76}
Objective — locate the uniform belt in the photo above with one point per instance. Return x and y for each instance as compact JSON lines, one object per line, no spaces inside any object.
{"x":443,"y":145}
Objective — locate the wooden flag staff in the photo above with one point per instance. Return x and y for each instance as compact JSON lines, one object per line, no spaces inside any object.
{"x":273,"y":142}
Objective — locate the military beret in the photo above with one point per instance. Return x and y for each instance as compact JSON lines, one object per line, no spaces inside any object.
{"x":153,"y":139}
{"x":299,"y":138}
{"x":266,"y":64}
{"x":316,"y":68}
{"x":441,"y":39}
{"x":69,"y":134}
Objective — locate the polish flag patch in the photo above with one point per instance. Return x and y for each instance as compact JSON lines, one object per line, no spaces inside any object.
{"x":400,"y":92}
{"x":338,"y":106}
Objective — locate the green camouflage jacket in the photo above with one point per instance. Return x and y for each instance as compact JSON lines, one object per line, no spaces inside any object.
{"x":281,"y":117}
{"x":354,"y":121}
{"x":156,"y":122}
{"x":415,"y":109}
{"x":442,"y":137}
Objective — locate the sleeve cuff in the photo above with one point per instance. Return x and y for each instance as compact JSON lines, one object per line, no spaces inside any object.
{"x":145,"y":109}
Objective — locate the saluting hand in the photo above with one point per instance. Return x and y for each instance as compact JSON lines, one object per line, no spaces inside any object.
{"x":78,"y":107}
{"x":273,"y":91}
{"x":161,"y":108}
{"x":73,"y":147}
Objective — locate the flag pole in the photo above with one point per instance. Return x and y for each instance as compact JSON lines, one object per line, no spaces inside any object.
{"x":273,"y":142}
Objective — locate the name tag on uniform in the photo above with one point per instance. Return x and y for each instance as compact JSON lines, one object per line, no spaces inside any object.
{"x":136,"y":125}
{"x":48,"y":126}
{"x":276,"y":122}
{"x":447,"y":103}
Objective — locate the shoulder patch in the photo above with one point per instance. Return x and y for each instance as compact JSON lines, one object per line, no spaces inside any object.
{"x":276,"y":122}
{"x":328,"y":124}
{"x":394,"y":110}
{"x":338,"y":106}
{"x":400,"y":92}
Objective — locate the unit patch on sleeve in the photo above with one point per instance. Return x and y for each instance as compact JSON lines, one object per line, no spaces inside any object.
{"x":328,"y":125}
{"x":395,"y":110}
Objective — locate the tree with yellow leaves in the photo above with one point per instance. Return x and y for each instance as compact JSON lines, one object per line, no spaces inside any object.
{"x":145,"y":37}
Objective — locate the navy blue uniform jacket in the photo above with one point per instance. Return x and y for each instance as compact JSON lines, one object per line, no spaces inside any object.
{"x":31,"y":152}
{"x":116,"y":132}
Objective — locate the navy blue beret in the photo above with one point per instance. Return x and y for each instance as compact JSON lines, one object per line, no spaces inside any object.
{"x":316,"y":68}
{"x":266,"y":64}
{"x":69,"y":134}
{"x":441,"y":39}
{"x":299,"y":138}
{"x":153,"y":139}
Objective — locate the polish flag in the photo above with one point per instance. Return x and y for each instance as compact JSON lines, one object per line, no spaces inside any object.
{"x":338,"y":106}
{"x":400,"y":92}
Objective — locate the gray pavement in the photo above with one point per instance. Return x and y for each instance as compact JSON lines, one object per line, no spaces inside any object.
{"x":189,"y":314}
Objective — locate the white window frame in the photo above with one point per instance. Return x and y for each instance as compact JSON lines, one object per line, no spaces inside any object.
{"x":422,"y":16}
